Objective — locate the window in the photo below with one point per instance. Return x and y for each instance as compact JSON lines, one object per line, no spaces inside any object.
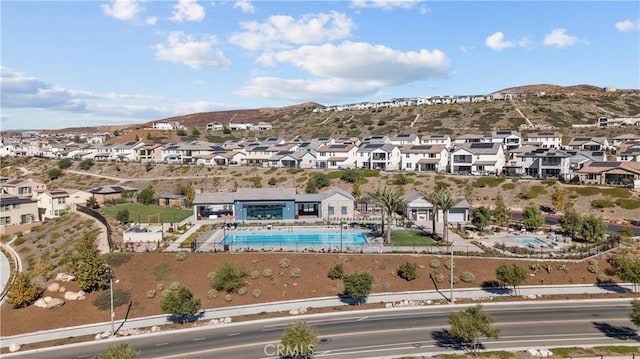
{"x":343,"y":210}
{"x":5,"y":220}
{"x":4,"y":208}
{"x":16,"y":206}
{"x":25,"y":218}
{"x":331,"y":211}
{"x":409,"y":166}
{"x":407,"y":155}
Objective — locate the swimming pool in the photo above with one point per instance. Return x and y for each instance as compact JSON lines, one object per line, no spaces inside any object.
{"x":530,"y":240}
{"x":311,"y":240}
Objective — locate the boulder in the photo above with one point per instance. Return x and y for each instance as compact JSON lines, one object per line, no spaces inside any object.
{"x":65,"y":277}
{"x":53,"y":287}
{"x":302,"y":310}
{"x":294,"y":312}
{"x":14,"y":347}
{"x":40,"y":303}
{"x":54,"y":303}
{"x":388,"y":305}
{"x":62,"y":289}
{"x":47,"y":299}
{"x":155,"y":329}
{"x":70,"y":295}
{"x":227,"y":320}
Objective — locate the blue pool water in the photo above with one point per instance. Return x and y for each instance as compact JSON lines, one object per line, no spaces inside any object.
{"x":529,"y":240}
{"x":301,"y":239}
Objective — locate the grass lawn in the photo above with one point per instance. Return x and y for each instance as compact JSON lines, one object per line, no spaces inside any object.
{"x":147,"y":213}
{"x":410,"y":238}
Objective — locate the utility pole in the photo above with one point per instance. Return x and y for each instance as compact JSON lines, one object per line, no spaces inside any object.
{"x":110,"y":272}
{"x":451,"y":274}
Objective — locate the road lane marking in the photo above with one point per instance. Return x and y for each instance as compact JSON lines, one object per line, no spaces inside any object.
{"x":198,"y":339}
{"x":234,"y":334}
{"x":161,"y":344}
{"x":363,"y":318}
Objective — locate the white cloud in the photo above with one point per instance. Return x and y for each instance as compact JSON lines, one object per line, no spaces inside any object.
{"x":187,"y":10}
{"x":279,"y":31}
{"x":497,"y":42}
{"x":349,"y":70}
{"x":466,"y":49}
{"x":628,"y":25}
{"x":151,"y":20}
{"x":182,"y":48}
{"x":559,"y":38}
{"x":245,"y":5}
{"x":122,"y":9}
{"x":386,"y":4}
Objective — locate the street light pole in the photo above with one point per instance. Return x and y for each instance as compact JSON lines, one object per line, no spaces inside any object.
{"x":451,"y":274}
{"x":110,"y":272}
{"x":340,"y":236}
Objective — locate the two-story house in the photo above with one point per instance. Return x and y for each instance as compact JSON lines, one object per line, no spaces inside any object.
{"x":52,"y":204}
{"x":544,"y":139}
{"x":404,"y":139}
{"x":126,"y":152}
{"x":424,"y":158}
{"x":23,"y":188}
{"x":15,"y":210}
{"x":509,"y":139}
{"x":589,"y":143}
{"x":378,"y":156}
{"x":436,"y":139}
{"x":336,"y":156}
{"x":477,"y":158}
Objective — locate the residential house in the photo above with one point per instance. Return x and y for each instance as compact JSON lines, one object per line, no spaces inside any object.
{"x":589,"y":143}
{"x":541,"y":163}
{"x":544,"y":139}
{"x":171,"y":153}
{"x":336,"y":156}
{"x":52,"y":204}
{"x":509,"y":139}
{"x":170,"y":126}
{"x":151,"y":152}
{"x":16,"y":210}
{"x":23,"y":188}
{"x":611,"y":173}
{"x":215,"y":126}
{"x":630,"y":152}
{"x":405,"y":139}
{"x":469,"y":138}
{"x":104,"y":152}
{"x":477,"y":158}
{"x":420,"y":210}
{"x":424,"y":158}
{"x":261,"y":126}
{"x":378,"y":156}
{"x":437,"y":139}
{"x":126,"y":152}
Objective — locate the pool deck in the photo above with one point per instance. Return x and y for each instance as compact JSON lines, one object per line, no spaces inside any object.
{"x":550,"y":242}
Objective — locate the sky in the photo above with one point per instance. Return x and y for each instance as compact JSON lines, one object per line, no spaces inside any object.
{"x":96,"y":63}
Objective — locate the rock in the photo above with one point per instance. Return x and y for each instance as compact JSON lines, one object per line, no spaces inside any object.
{"x":54,"y":303}
{"x":64,"y":277}
{"x":70,"y":295}
{"x":302,"y":310}
{"x":53,"y":287}
{"x":155,"y":329}
{"x":47,"y":299}
{"x":62,"y":289}
{"x":105,"y":335}
{"x":388,"y":305}
{"x":429,"y":301}
{"x":294,"y":312}
{"x":227,"y":320}
{"x":14,"y":347}
{"x":40,"y":303}
{"x":97,"y":337}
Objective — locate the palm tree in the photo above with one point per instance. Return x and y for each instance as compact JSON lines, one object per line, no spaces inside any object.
{"x":434,"y":214}
{"x":390,"y":200}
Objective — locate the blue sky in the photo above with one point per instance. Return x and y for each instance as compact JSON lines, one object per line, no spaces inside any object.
{"x":86,"y":63}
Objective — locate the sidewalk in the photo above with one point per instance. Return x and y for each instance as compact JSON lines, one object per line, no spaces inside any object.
{"x":285,"y":306}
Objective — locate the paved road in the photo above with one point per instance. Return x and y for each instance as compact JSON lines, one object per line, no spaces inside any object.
{"x":389,"y":332}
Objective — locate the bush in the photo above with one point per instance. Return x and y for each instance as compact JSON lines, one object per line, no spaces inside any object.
{"x":407,"y":271}
{"x":467,"y":277}
{"x":336,"y":272}
{"x":116,"y":259}
{"x":150,"y":294}
{"x":161,"y":271}
{"x":211,"y":276}
{"x":228,"y":297}
{"x":439,"y":277}
{"x":267,"y":273}
{"x":174,"y":285}
{"x":284,"y":263}
{"x":159,"y":287}
{"x":180,"y":256}
{"x":255,"y":274}
{"x":242,"y":290}
{"x":448,"y":264}
{"x":256,"y":293}
{"x":295,"y":272}
{"x":229,"y":278}
{"x":602,"y":203}
{"x":165,"y":293}
{"x":212,"y":294}
{"x":434,"y":263}
{"x":593,"y":267}
{"x":103,"y":300}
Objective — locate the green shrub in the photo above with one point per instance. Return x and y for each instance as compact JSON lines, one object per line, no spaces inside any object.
{"x":508,"y":186}
{"x":211,"y":276}
{"x":151,"y":294}
{"x":103,"y":300}
{"x":256,"y":293}
{"x":242,"y":290}
{"x":602,"y":203}
{"x":593,"y":267}
{"x":407,"y":271}
{"x":212,"y":294}
{"x":336,"y":272}
{"x":267,"y":273}
{"x":159,"y":287}
{"x":448,"y":264}
{"x":434,"y":263}
{"x":284,"y":263}
{"x":255,"y":274}
{"x":229,"y":278}
{"x":628,"y":203}
{"x":487,"y":182}
{"x":174,"y":285}
{"x":295,"y":272}
{"x":467,"y":277}
{"x":180,"y":256}
{"x":116,"y":259}
{"x":439,"y":277}
{"x":228,"y":297}
{"x":161,"y":271}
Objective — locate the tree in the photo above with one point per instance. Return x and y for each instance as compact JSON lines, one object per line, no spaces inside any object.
{"x":356,"y":192}
{"x":64,"y":163}
{"x":407,"y":271}
{"x":298,"y":341}
{"x":593,"y":229}
{"x":472,"y":323}
{"x":229,"y":278}
{"x":195,"y":132}
{"x":627,"y":269}
{"x":92,"y":203}
{"x":357,"y":285}
{"x":390,"y":201}
{"x":123,"y":216}
{"x":558,"y":199}
{"x":351,"y":175}
{"x":23,"y":291}
{"x":635,"y":312}
{"x":186,"y":190}
{"x":511,"y":274}
{"x":311,"y":186}
{"x":444,"y":200}
{"x":85,"y":165}
{"x":532,"y":217}
{"x":90,"y":268}
{"x":54,"y":173}
{"x":181,"y":304}
{"x":571,"y":222}
{"x":480,"y":217}
{"x":320,"y":180}
{"x":118,"y":351}
{"x":146,"y":195}
{"x":501,"y":213}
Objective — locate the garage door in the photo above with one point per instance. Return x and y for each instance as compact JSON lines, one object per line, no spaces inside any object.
{"x":457,"y":215}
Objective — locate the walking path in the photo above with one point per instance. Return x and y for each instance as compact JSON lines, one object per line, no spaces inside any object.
{"x":400,"y":299}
